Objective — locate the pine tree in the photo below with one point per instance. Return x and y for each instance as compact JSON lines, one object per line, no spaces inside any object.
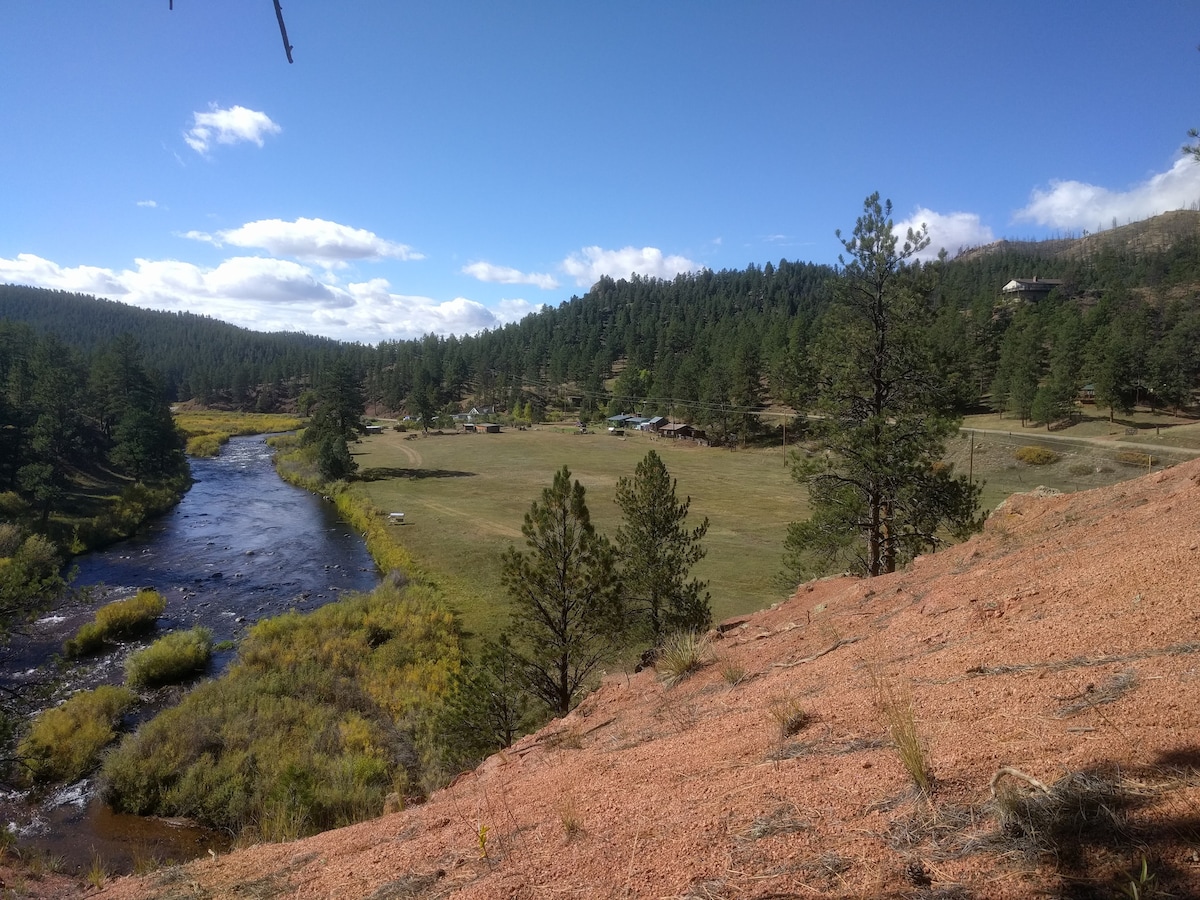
{"x":657,"y":551}
{"x":566,"y":599}
{"x":883,"y":414}
{"x":486,"y":708}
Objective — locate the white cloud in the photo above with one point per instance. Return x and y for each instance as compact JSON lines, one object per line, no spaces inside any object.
{"x":228,"y":126}
{"x":149,"y":204}
{"x":268,"y":294}
{"x":312,"y":240}
{"x":504,"y":275}
{"x":1078,"y":205}
{"x":589,"y":264}
{"x":952,"y":231}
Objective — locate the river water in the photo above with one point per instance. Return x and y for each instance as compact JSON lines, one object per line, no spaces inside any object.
{"x":242,"y":545}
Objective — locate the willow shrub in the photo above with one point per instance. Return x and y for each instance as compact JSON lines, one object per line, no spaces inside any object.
{"x":172,"y":658}
{"x":64,"y":743}
{"x":207,"y":444}
{"x":310,"y":728}
{"x":121,"y":618}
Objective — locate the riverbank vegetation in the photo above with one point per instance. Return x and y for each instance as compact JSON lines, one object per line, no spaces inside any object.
{"x":320,"y":717}
{"x":173,"y":658}
{"x":119,"y":619}
{"x":207,"y":431}
{"x":64,"y":743}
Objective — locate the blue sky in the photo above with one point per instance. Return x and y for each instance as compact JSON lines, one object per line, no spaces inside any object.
{"x":450,"y":166}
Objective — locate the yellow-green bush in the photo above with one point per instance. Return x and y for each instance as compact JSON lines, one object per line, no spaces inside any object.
{"x":207,"y":444}
{"x":310,"y":728}
{"x":172,"y":658}
{"x":64,"y":743}
{"x":121,"y":618}
{"x":1035,"y":456}
{"x":1135,"y":459}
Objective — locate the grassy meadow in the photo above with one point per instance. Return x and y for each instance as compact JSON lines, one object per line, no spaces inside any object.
{"x":465,"y":496}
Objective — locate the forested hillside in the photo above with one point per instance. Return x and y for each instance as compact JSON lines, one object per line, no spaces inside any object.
{"x":197,"y":356}
{"x":713,"y":348}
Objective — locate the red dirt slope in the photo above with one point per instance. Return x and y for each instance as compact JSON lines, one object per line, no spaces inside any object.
{"x":1062,"y":643}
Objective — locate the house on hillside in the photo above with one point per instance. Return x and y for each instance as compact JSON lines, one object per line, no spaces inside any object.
{"x":1030,"y":289}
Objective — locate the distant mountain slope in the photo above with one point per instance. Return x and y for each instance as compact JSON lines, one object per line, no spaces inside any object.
{"x":192,"y":352}
{"x":1154,"y":235}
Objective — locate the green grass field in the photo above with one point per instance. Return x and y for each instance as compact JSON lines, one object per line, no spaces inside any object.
{"x":465,"y":496}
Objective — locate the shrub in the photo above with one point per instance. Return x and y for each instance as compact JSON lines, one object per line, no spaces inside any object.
{"x":311,"y":728}
{"x":29,"y":578}
{"x":1135,"y":459}
{"x":1080,"y":469}
{"x":681,"y":655}
{"x":135,"y":615}
{"x":121,"y":618}
{"x":87,"y":640}
{"x":206,"y":444}
{"x":173,"y":658}
{"x":64,"y":743}
{"x":10,"y":539}
{"x":1035,"y":456}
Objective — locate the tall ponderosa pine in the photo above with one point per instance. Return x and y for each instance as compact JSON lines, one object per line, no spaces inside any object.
{"x":657,"y":551}
{"x":566,"y":599}
{"x":878,"y":489}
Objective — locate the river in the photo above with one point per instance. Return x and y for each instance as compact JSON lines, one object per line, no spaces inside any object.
{"x":242,"y":545}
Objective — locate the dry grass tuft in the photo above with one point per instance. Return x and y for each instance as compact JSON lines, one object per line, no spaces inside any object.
{"x":895,"y":702}
{"x":1098,"y":694}
{"x":781,"y":820}
{"x":789,"y":715}
{"x":733,"y":672}
{"x":682,"y":654}
{"x":568,"y":815}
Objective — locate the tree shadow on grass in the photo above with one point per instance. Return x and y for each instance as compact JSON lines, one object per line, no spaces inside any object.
{"x":386,"y":473}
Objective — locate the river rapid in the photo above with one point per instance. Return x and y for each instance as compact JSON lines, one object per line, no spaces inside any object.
{"x":242,"y":545}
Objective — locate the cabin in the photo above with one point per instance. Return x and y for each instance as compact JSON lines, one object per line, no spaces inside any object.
{"x":678,"y":430}
{"x":1031,"y":289}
